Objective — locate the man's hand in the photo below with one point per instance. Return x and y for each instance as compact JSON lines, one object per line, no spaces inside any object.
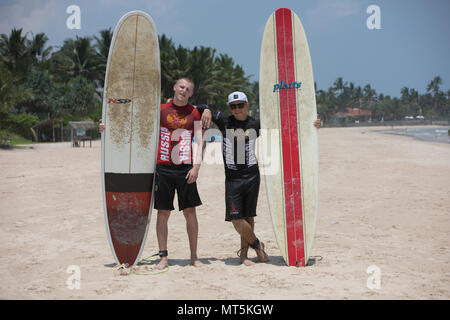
{"x":317,"y":123}
{"x":101,"y":126}
{"x":206,"y":118}
{"x":192,"y":175}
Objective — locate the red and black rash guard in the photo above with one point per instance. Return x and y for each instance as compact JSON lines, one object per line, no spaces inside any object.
{"x":176,"y":133}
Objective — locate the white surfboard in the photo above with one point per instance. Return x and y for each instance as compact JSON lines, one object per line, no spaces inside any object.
{"x":131,"y":105}
{"x":290,"y":147}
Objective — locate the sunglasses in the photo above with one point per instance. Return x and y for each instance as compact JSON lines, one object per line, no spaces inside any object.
{"x":237,"y":105}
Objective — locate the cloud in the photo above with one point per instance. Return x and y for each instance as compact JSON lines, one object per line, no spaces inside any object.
{"x":330,"y":10}
{"x":156,"y":8}
{"x":44,"y":15}
{"x":165,"y":13}
{"x":33,"y":16}
{"x":49,"y":16}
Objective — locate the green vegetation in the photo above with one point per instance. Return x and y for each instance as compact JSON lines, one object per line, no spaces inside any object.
{"x":434,"y":104}
{"x":215,"y":76}
{"x":45,"y":86}
{"x":8,"y":140}
{"x":39,"y":83}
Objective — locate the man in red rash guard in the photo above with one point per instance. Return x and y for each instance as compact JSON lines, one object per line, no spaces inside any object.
{"x":175,"y":168}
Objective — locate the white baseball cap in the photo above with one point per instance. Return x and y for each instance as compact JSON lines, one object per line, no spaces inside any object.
{"x":237,"y":96}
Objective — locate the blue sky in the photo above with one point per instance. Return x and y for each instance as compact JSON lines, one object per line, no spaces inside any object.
{"x":410,"y":49}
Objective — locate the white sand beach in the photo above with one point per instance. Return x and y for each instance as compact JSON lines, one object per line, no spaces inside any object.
{"x":384,"y":203}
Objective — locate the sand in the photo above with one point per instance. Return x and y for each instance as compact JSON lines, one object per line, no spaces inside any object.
{"x":382,"y":233}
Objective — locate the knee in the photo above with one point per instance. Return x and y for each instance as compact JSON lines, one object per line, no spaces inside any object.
{"x":238,"y":224}
{"x":189,"y":210}
{"x":163,"y":215}
{"x":189,"y":213}
{"x":250,"y":220}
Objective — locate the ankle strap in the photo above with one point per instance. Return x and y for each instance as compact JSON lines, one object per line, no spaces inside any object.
{"x":255,"y":244}
{"x":163,"y":253}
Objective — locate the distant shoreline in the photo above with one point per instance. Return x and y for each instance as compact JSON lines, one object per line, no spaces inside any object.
{"x":400,"y":123}
{"x":430,"y":133}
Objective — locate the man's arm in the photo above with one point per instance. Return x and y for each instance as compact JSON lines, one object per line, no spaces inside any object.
{"x":210,"y":116}
{"x":206,"y":114}
{"x":192,"y":175}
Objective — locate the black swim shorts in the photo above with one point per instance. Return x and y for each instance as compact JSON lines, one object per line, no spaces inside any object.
{"x":171,"y":177}
{"x":241,"y":195}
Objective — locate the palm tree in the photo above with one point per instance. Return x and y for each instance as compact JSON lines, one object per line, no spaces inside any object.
{"x":339,"y":84}
{"x":174,"y":64}
{"x":214,"y":76}
{"x":433,"y":87}
{"x":12,"y":92}
{"x":252,"y":91}
{"x":370,"y":95}
{"x":15,"y":53}
{"x":200,"y":66}
{"x":226,"y":78}
{"x":102,"y":45}
{"x":414,"y":102}
{"x":410,"y":99}
{"x":167,"y":58}
{"x":78,"y":58}
{"x":38,"y":50}
{"x":358,"y":97}
{"x":348,"y":95}
{"x":340,"y":93}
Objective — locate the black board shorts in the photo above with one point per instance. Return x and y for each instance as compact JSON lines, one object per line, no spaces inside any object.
{"x":170,"y":178}
{"x":241,"y":195}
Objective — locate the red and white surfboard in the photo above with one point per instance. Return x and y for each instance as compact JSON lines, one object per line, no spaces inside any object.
{"x":131,"y":105}
{"x":289,"y":138}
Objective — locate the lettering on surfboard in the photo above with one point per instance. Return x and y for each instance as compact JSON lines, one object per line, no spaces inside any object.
{"x":110,"y":100}
{"x":283,"y":85}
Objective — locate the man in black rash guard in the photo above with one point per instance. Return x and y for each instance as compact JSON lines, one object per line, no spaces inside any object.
{"x":242,"y":178}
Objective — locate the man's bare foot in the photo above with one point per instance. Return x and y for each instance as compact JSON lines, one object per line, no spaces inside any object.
{"x":247,"y":262}
{"x":242,"y":253}
{"x":262,"y":255}
{"x":163,"y":263}
{"x":196,"y":263}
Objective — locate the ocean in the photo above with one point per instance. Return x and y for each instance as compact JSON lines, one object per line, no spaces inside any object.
{"x":425,"y":134}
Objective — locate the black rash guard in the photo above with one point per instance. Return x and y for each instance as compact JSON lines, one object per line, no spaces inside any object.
{"x":239,"y":142}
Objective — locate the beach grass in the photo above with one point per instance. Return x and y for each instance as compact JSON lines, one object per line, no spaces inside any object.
{"x":12,"y":140}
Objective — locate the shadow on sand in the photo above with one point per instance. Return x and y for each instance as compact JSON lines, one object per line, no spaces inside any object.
{"x":231,"y":261}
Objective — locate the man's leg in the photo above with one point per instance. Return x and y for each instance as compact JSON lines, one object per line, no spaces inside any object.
{"x":162,"y":233}
{"x":244,"y":244}
{"x":192,"y":231}
{"x":245,"y":229}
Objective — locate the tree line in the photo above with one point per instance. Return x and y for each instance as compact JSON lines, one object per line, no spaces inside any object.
{"x":433,"y":104}
{"x":40,"y":82}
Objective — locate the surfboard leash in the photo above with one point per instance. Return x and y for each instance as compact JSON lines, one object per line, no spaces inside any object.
{"x":124,"y":269}
{"x":150,"y":259}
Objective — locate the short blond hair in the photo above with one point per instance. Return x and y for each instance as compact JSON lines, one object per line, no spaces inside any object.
{"x":188,"y":80}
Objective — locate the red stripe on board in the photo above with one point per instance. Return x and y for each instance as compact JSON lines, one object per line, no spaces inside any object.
{"x":127,"y":218}
{"x":291,"y":161}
